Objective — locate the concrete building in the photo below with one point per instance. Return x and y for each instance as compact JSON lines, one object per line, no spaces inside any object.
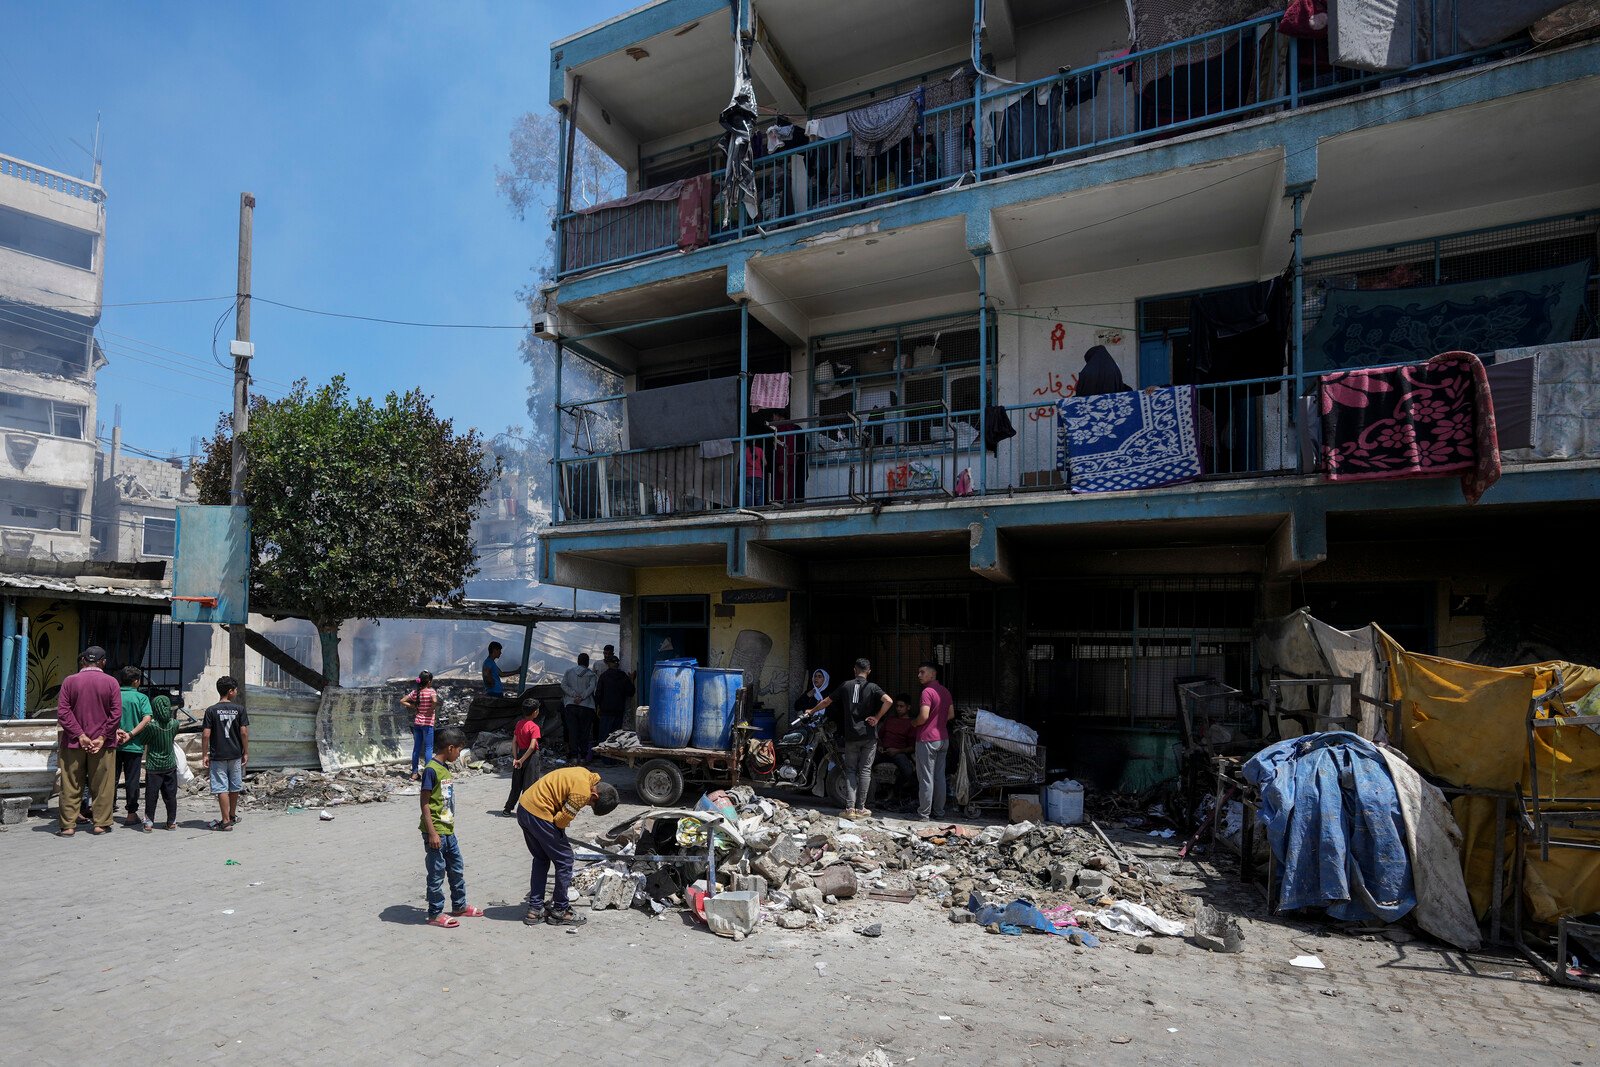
{"x":932,"y":258}
{"x":52,"y":236}
{"x":136,"y":502}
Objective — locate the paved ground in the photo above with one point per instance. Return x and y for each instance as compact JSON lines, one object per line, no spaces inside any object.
{"x":139,"y":948}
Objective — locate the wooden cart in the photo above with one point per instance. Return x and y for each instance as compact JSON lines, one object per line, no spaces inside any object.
{"x":662,"y":774}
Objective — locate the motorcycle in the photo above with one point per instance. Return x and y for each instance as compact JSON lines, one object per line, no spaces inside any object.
{"x":808,"y":761}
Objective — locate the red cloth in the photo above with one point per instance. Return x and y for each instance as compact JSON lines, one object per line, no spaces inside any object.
{"x":897,"y":731}
{"x":527,"y":733}
{"x":90,"y":704}
{"x":1415,"y":420}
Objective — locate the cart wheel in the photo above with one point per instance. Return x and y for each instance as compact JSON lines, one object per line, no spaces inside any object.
{"x":659,"y":783}
{"x":972,"y":811}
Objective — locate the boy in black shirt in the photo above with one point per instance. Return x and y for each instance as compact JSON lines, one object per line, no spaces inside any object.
{"x":225,"y":739}
{"x":856,"y":706}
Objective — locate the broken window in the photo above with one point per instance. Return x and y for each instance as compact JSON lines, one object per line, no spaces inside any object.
{"x":160,"y":537}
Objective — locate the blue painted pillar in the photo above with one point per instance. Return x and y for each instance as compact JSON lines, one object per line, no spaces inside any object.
{"x":983,"y":373}
{"x":742,"y":465}
{"x":977,"y":90}
{"x":555,"y":438}
{"x":19,"y":691}
{"x":8,"y":652}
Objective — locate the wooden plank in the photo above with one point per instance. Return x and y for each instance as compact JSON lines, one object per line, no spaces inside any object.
{"x":288,"y":664}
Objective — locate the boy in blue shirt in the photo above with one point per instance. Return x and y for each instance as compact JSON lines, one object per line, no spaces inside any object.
{"x":438,"y":827}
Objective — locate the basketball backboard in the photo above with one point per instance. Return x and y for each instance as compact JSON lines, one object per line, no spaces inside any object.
{"x":211,"y":566}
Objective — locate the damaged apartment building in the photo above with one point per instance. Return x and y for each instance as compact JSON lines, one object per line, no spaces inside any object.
{"x":1011,"y":339}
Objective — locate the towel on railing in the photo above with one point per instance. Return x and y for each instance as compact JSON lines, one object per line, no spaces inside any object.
{"x":1128,"y":440}
{"x":1164,"y":22}
{"x":1411,"y":421}
{"x":769,"y":391}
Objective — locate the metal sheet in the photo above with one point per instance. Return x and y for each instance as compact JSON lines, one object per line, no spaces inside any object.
{"x":283,"y":730}
{"x":212,"y":559}
{"x":362,"y":727}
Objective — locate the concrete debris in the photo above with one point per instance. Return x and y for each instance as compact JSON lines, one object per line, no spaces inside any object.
{"x":876,"y":1058}
{"x":318,"y":789}
{"x":870,"y":930}
{"x":793,"y":920}
{"x":1217,"y":931}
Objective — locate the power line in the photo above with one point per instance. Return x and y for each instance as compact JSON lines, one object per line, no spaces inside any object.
{"x":390,"y":322}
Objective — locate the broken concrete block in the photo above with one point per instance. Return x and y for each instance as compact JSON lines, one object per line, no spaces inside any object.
{"x":1091,"y":883}
{"x":1063,"y":875}
{"x":769,"y":868}
{"x":612,"y":889}
{"x":871,"y":930}
{"x":1217,"y":931}
{"x":785,"y":851}
{"x":808,"y":899}
{"x":1014,"y":831}
{"x":962,"y":915}
{"x":798,"y":880}
{"x":14,"y":810}
{"x":751,"y":883}
{"x":793,"y":920}
{"x":1025,"y":808}
{"x":836,"y":881}
{"x":732,"y":914}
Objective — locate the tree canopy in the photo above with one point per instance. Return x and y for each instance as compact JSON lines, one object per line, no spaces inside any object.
{"x":358,"y":510}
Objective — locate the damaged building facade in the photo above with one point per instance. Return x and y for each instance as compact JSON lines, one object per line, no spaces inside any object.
{"x":858,"y":364}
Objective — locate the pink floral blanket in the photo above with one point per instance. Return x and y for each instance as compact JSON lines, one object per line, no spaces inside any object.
{"x":1421,"y":420}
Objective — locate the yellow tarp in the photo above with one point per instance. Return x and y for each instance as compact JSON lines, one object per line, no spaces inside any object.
{"x":1467,"y":725}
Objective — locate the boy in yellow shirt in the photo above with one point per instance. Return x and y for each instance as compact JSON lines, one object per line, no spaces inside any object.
{"x":545,"y":811}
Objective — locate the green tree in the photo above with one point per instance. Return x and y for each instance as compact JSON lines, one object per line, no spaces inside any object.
{"x":358,"y":510}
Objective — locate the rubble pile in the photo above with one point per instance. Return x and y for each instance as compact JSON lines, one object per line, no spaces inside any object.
{"x":804,"y":865}
{"x":354,"y":785}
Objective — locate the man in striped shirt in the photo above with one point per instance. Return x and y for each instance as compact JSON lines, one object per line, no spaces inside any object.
{"x":547,"y":808}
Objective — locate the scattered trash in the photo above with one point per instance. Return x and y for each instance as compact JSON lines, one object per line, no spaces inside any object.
{"x":254,"y":884}
{"x":1121,"y":1039}
{"x":944,"y":1018}
{"x":1172,"y":1029}
{"x":822,"y":967}
{"x":1126,"y":917}
{"x":227,"y":911}
{"x":326,"y":815}
{"x":1331,"y":992}
{"x":1310,"y":962}
{"x":1164,"y":834}
{"x":232,"y":863}
{"x":870,"y":930}
{"x":876,"y":1058}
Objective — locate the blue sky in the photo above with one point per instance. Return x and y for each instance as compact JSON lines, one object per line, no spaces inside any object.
{"x":369,"y":133}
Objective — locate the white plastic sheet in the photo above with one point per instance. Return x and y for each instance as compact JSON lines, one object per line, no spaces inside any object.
{"x":1126,"y":917}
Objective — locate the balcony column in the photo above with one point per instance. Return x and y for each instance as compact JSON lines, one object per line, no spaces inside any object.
{"x":740,"y":463}
{"x":555,"y":438}
{"x":977,"y":90}
{"x":983,"y":373}
{"x":8,"y":652}
{"x":1296,"y":309}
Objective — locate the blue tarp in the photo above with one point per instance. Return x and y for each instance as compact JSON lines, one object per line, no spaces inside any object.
{"x":1334,"y":821}
{"x":1019,"y":917}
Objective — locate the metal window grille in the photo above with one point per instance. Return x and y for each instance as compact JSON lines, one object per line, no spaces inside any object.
{"x":923,"y":362}
{"x":1114,"y":651}
{"x":897,"y":627}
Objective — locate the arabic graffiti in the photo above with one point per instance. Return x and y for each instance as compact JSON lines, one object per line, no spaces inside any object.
{"x":1054,"y":386}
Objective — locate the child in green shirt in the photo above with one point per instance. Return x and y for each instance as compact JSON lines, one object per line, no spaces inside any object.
{"x":130,"y":754}
{"x":160,"y":764}
{"x":439,"y":833}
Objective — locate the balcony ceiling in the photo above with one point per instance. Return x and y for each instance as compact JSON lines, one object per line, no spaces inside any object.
{"x":829,"y":42}
{"x":876,"y":270}
{"x":1398,"y":178}
{"x":677,"y":296}
{"x":1200,"y":210}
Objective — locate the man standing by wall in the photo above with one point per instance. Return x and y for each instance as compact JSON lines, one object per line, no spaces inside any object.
{"x":577,"y":693}
{"x":613,"y":697}
{"x":90,"y":710}
{"x":493,"y":678}
{"x":933,"y":741}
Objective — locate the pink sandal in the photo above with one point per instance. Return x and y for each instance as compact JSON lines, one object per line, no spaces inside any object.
{"x":468,"y":912}
{"x":444,"y":922}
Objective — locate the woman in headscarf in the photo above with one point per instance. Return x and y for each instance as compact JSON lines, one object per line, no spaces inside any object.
{"x":814,"y":694}
{"x":1100,"y":374}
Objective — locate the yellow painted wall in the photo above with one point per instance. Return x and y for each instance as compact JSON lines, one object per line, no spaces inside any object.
{"x":52,"y":648}
{"x":755,"y":634}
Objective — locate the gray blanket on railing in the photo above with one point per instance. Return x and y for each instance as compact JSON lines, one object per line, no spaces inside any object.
{"x":1163,"y":22}
{"x":683,"y":414}
{"x":883,"y":124}
{"x":1395,"y":34}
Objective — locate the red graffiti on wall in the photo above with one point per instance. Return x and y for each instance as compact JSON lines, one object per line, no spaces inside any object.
{"x":1055,"y":386}
{"x":1058,"y":338}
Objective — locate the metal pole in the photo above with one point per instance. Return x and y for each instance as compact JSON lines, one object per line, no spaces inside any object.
{"x":8,"y":653}
{"x":241,"y":406}
{"x":527,"y":651}
{"x":983,"y":372}
{"x":555,"y":460}
{"x":1297,"y":316}
{"x":977,"y":90}
{"x":743,"y":464}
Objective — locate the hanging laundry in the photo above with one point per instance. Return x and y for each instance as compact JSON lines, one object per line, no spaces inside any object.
{"x":1421,"y":420}
{"x":827,"y":127}
{"x":769,"y":391}
{"x":739,"y":119}
{"x":997,"y":427}
{"x":948,"y":129}
{"x":1360,"y":328}
{"x":1239,"y":334}
{"x":716,"y":448}
{"x":882,"y":125}
{"x":1134,"y":440}
{"x":1163,"y":22}
{"x":1564,"y":402}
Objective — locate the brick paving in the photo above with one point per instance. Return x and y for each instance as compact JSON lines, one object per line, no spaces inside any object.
{"x":123,"y":949}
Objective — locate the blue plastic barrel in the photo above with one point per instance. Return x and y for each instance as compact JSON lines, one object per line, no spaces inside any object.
{"x":764,"y":724}
{"x":715,"y":691}
{"x":672,"y":702}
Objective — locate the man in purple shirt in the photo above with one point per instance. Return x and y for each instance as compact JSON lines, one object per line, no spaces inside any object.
{"x":90,"y":711}
{"x":933,"y":741}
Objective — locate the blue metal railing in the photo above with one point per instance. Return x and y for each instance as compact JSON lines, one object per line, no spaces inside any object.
{"x":1215,"y":77}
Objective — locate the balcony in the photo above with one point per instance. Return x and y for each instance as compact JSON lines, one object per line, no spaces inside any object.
{"x":940,"y":128}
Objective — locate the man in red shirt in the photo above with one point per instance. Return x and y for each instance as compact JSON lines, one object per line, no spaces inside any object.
{"x":90,"y":711}
{"x":897,"y":743}
{"x":933,"y":741}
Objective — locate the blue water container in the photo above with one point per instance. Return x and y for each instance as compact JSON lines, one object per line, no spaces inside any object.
{"x":715,"y":691}
{"x":764,"y":725}
{"x":672,"y":702}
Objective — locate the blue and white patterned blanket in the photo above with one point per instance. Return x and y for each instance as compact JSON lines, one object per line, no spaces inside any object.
{"x":1131,"y":440}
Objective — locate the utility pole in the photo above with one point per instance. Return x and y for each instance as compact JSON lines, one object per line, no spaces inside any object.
{"x":242,"y":351}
